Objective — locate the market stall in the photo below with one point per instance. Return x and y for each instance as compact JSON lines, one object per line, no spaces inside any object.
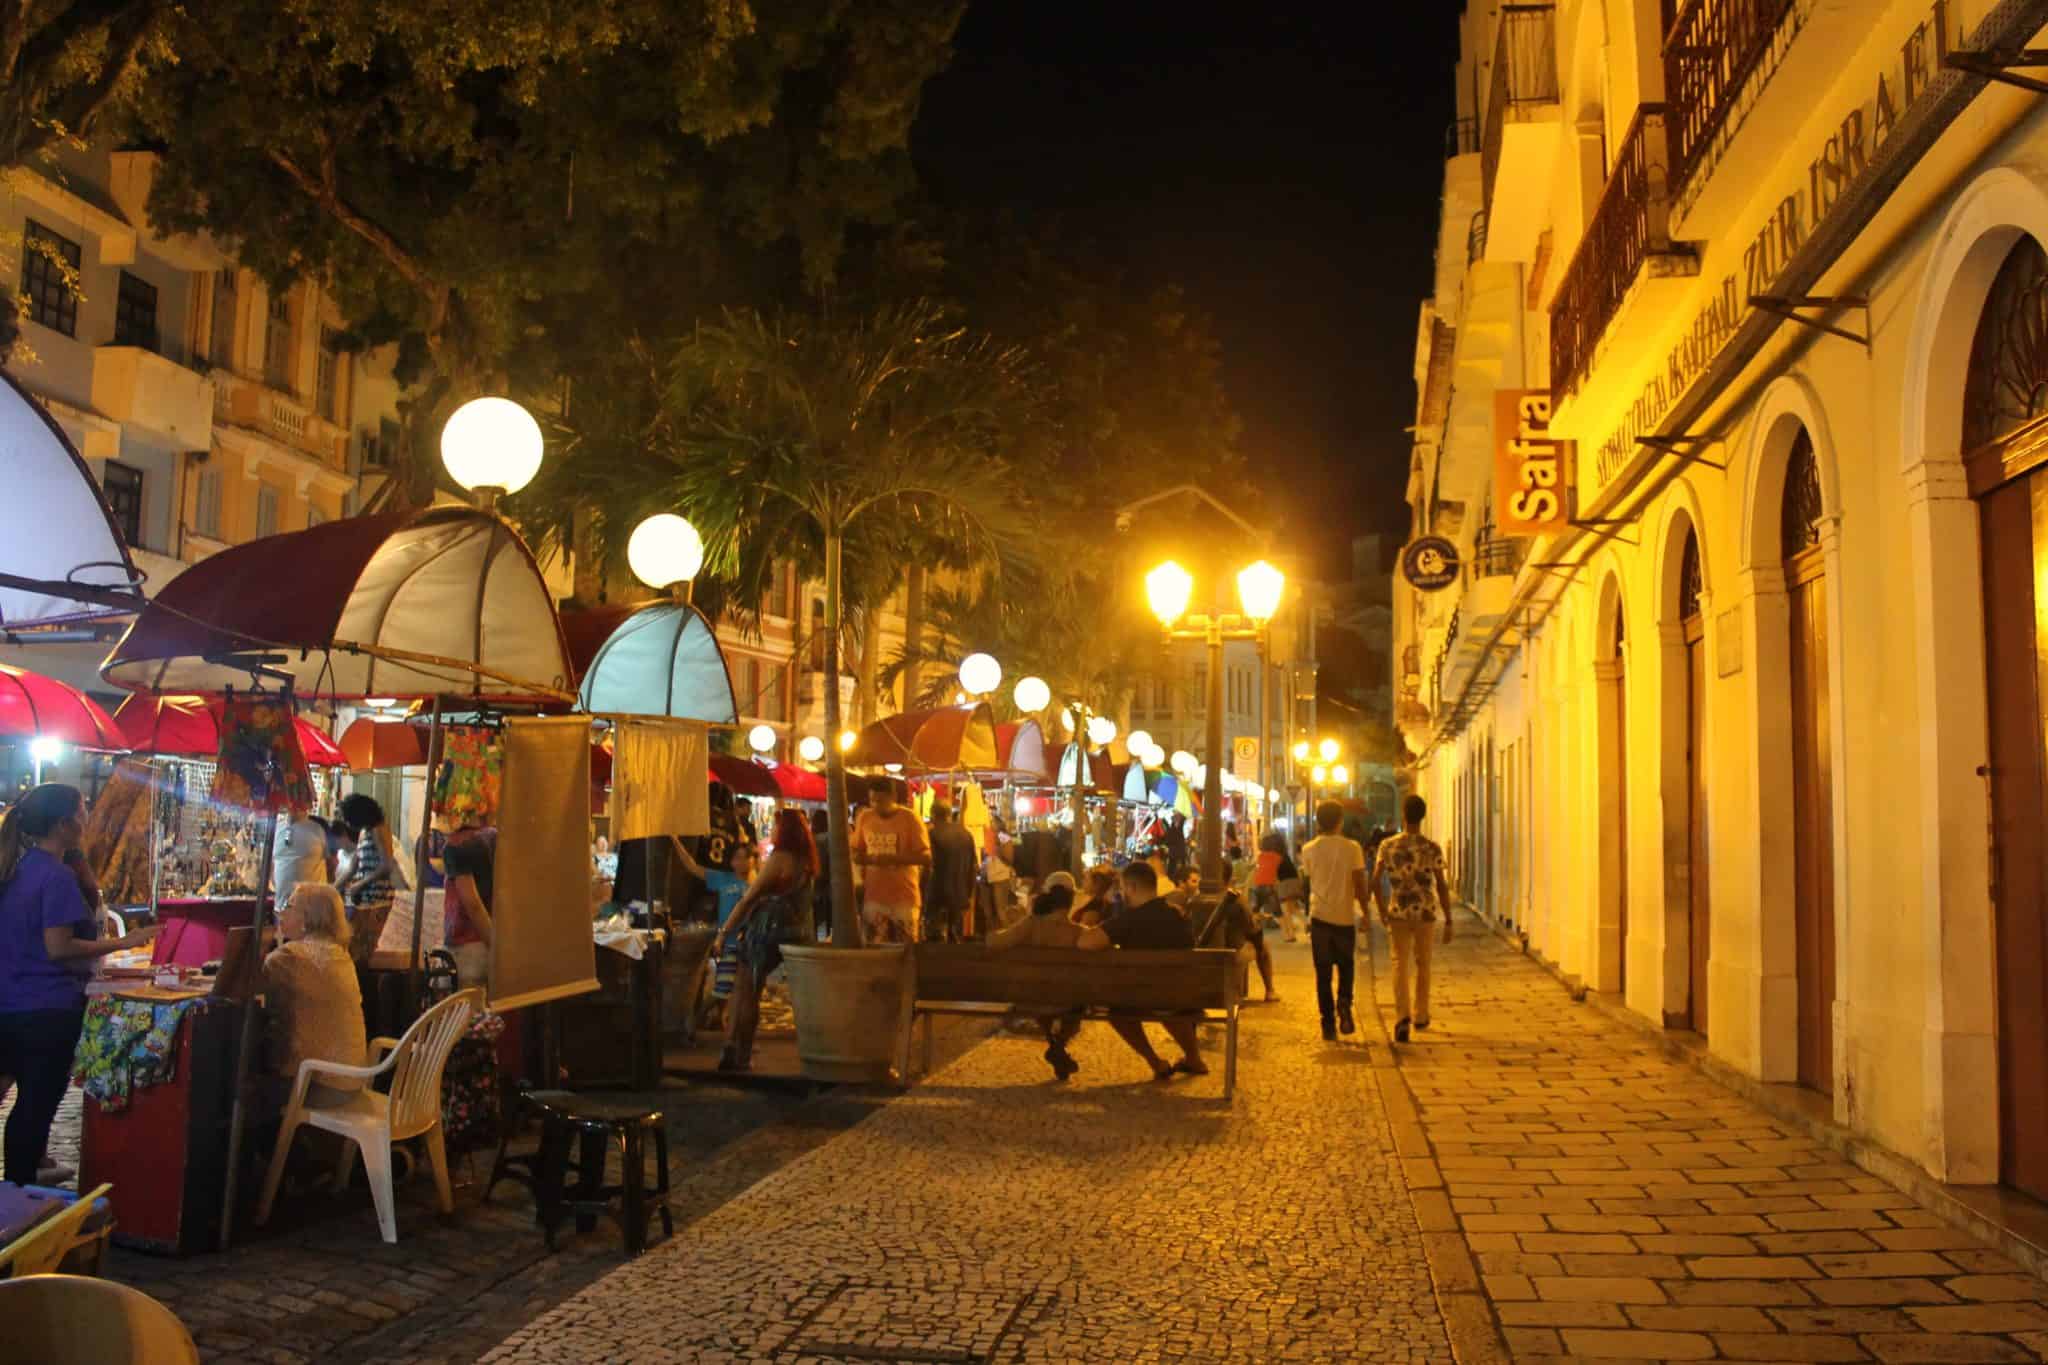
{"x":437,"y":605}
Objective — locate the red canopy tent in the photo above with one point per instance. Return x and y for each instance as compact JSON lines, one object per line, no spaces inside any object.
{"x":33,"y":706}
{"x":189,"y":727}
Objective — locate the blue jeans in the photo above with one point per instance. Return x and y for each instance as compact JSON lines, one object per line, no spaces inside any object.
{"x":1333,"y":946}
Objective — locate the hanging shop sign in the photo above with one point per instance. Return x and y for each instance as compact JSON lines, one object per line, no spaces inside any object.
{"x":1430,"y":563}
{"x":1841,"y":164}
{"x":1532,"y":471}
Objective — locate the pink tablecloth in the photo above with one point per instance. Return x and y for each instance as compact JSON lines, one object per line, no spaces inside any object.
{"x":195,"y":932}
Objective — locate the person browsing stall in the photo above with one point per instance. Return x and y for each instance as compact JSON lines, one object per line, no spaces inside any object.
{"x":467,"y":864}
{"x":48,"y":941}
{"x":890,"y":846}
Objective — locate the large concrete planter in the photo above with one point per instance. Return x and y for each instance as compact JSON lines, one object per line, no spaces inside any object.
{"x":849,"y":1009}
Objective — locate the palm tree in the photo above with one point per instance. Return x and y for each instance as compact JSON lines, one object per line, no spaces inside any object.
{"x":833,"y":441}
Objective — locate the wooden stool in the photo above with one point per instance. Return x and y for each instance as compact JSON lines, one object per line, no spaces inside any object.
{"x":593,"y":1124}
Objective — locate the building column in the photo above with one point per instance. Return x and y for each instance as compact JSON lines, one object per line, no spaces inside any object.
{"x":1603,"y":968}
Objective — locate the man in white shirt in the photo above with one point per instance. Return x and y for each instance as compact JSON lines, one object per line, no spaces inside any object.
{"x":1335,"y":868}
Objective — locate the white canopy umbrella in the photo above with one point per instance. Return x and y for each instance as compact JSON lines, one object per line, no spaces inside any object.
{"x":61,"y":558}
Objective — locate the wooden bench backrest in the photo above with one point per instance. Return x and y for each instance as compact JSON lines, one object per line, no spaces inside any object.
{"x":1202,"y":978}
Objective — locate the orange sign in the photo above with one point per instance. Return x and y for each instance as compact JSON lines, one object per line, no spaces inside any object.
{"x":1532,"y":473}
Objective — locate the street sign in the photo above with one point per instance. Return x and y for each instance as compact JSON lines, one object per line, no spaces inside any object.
{"x":1244,"y":759}
{"x":1430,"y":563}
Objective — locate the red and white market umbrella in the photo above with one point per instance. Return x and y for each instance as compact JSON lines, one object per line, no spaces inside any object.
{"x":34,"y":707}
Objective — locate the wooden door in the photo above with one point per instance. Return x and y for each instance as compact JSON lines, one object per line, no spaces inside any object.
{"x":1621,"y":814}
{"x":1699,"y":909}
{"x":1813,"y":835}
{"x":2015,"y":548}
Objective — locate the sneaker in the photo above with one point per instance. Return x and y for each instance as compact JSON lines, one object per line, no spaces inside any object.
{"x":1401,"y":1031}
{"x":1329,"y":1031}
{"x":1345,"y":1023}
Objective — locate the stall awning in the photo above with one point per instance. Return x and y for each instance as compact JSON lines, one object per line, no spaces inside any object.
{"x":59,"y":531}
{"x":446,"y":602}
{"x":946,"y":739}
{"x":189,"y":727}
{"x":744,"y":778}
{"x":657,"y":660}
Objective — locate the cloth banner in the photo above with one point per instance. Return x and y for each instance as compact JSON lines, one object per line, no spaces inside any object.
{"x":660,"y":778}
{"x":540,"y":945}
{"x":261,"y":765}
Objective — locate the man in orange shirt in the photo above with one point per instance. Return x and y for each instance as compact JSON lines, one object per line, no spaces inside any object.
{"x":890,"y":847}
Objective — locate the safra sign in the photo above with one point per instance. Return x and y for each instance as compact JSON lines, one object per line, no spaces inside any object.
{"x":1532,"y":473}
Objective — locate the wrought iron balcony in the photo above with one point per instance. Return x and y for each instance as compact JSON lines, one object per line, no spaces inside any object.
{"x":1498,"y":557}
{"x":1475,"y":240}
{"x":1630,"y":224}
{"x":1461,"y":138}
{"x":1524,"y":78}
{"x":1711,"y":47}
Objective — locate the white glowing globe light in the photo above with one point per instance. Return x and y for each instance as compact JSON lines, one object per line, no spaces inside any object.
{"x":1101,"y":730}
{"x":810,"y":749}
{"x":980,"y":674}
{"x":491,"y":443}
{"x":1272,"y":794}
{"x":1155,"y":757}
{"x":1032,"y":694}
{"x":45,"y":749}
{"x":761,"y":739}
{"x":846,"y":740}
{"x":1067,"y":720}
{"x":1182,"y":762}
{"x":1138,"y":742}
{"x":665,"y":549}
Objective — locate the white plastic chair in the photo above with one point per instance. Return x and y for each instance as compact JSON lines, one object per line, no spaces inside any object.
{"x":77,"y":1320}
{"x":373,"y":1121}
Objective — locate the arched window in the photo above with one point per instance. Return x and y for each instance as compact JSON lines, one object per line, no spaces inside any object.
{"x":1799,"y":524}
{"x":2008,"y":380}
{"x":1689,"y":581}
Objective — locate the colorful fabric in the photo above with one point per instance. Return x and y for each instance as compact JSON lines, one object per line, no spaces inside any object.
{"x":469,"y":1086}
{"x":778,"y":919}
{"x":472,"y":769}
{"x":128,"y":1043}
{"x":261,"y":766}
{"x":1410,"y":865}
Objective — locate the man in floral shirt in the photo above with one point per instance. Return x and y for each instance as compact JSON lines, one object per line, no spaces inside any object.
{"x":1408,"y":882}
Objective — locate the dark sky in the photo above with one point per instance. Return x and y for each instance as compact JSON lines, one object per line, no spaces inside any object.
{"x":1280,"y":160}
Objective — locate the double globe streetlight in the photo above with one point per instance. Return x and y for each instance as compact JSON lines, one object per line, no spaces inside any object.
{"x":1260,"y":586}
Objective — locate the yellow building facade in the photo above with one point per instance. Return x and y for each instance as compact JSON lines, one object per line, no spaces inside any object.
{"x":1751,"y":737}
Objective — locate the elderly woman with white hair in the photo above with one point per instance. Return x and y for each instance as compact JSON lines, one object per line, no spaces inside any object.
{"x":310,"y":991}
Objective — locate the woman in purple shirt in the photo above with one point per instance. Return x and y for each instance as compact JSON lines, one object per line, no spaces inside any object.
{"x":48,"y":939}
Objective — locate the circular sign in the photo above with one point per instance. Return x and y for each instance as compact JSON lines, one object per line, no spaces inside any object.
{"x":1430,"y":563}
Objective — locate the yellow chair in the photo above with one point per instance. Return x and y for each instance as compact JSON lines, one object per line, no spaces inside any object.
{"x":42,"y":1248}
{"x":78,"y":1320}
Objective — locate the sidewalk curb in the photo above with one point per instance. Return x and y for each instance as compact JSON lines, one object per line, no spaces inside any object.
{"x":1468,"y":1315}
{"x":1953,"y":1205}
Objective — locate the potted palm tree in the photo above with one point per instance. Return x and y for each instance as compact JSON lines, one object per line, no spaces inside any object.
{"x":844,"y":443}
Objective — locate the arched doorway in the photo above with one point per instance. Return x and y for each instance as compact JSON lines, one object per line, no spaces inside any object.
{"x":1620,"y":828}
{"x":1699,"y":916}
{"x":1813,"y":837}
{"x":2005,"y":435}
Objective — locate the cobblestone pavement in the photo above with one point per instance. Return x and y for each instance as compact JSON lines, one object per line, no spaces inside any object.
{"x":991,"y":1216}
{"x":1597,"y":1199}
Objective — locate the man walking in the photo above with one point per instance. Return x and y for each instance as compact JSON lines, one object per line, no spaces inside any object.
{"x":1408,"y":883}
{"x":1335,"y":867}
{"x":889,"y":846}
{"x":949,"y":891}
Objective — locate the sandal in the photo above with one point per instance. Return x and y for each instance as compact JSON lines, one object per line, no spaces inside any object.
{"x":1187,"y":1068}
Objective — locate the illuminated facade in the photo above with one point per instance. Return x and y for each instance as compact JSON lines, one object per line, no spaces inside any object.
{"x":1754,"y":739}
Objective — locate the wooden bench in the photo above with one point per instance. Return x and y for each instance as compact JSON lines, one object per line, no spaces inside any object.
{"x":965,"y":978}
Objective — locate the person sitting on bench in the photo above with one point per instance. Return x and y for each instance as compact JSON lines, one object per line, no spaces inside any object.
{"x":1150,"y":921}
{"x":1048,"y":926}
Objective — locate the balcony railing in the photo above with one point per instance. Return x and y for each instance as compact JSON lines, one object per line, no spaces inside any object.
{"x":1475,"y":240}
{"x":1524,"y":77}
{"x":1461,"y":138}
{"x":1631,"y":222}
{"x":1710,"y":49}
{"x":1498,"y":557}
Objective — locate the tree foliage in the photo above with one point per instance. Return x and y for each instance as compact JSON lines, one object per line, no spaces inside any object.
{"x":515,"y":188}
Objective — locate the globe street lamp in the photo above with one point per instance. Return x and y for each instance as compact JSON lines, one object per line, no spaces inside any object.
{"x":761,"y":739}
{"x":1260,"y":587}
{"x":1032,"y":695}
{"x":810,"y":749}
{"x":492,"y":447}
{"x":665,"y":550}
{"x":980,"y":674}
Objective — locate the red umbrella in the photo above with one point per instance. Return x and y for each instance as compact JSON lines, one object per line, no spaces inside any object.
{"x":745,"y":779}
{"x":33,"y":706}
{"x":189,"y":727}
{"x":797,"y":784}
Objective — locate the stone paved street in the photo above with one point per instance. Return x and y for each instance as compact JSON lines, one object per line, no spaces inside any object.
{"x":992,"y":1216}
{"x":1598,"y":1199}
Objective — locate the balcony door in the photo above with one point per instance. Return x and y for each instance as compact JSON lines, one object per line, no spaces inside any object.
{"x":2005,"y":417}
{"x":1699,"y":912}
{"x":1813,"y":818}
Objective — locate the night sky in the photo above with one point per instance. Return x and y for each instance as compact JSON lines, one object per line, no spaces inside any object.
{"x":1281,"y":161}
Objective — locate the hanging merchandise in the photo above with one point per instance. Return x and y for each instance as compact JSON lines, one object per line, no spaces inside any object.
{"x":261,"y":765}
{"x":973,"y":812}
{"x":472,"y":770}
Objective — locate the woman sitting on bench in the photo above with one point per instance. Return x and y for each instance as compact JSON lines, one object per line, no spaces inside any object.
{"x":1049,"y":926}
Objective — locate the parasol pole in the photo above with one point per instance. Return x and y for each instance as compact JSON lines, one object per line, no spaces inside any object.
{"x":414,"y":971}
{"x":245,"y":1052}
